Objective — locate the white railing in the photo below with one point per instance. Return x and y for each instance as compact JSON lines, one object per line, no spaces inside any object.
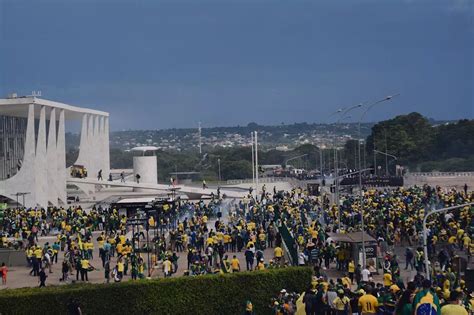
{"x":441,"y":174}
{"x":262,"y":180}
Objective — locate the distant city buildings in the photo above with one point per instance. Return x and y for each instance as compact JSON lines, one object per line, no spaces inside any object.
{"x":282,"y":138}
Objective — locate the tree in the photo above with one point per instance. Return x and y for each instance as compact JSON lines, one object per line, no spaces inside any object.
{"x":236,"y":169}
{"x":350,"y":153}
{"x":409,"y":137}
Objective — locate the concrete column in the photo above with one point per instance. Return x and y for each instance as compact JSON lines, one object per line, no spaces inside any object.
{"x":106,"y":145}
{"x":51,"y":156}
{"x":26,"y":175}
{"x":96,"y":143}
{"x":81,"y":159}
{"x":101,"y":146}
{"x":91,"y":168}
{"x":30,"y":149}
{"x":40,"y":162}
{"x":61,"y":158}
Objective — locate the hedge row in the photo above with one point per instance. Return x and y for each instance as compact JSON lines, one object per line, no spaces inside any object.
{"x":210,"y":294}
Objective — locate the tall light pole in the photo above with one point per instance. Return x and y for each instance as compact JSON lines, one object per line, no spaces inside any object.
{"x":219,"y":166}
{"x":425,"y":232}
{"x":253,"y":160}
{"x":340,"y":110}
{"x":386,"y":158}
{"x":343,"y":116}
{"x":256,"y":165}
{"x":199,"y":135}
{"x":387,"y":98}
{"x":320,"y":160}
{"x":386,"y":155}
{"x":294,"y":158}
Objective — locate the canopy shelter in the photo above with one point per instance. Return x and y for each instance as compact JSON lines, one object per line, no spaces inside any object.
{"x":353,"y":237}
{"x":354,"y":241}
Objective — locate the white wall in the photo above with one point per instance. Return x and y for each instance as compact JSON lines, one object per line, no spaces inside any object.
{"x":146,"y":166}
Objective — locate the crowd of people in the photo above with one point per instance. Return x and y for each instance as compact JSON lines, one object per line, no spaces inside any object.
{"x":209,"y":237}
{"x":81,"y":235}
{"x":335,"y":298}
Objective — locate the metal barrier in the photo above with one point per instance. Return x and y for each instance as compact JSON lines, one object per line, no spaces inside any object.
{"x":287,"y":239}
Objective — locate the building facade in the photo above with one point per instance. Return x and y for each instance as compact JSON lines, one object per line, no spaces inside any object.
{"x":33,"y":150}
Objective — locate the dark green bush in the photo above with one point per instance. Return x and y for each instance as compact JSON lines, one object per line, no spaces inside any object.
{"x":212,"y":294}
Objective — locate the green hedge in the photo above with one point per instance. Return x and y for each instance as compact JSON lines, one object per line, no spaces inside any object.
{"x":210,"y":294}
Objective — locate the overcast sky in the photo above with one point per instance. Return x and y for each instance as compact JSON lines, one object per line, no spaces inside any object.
{"x":160,"y":64}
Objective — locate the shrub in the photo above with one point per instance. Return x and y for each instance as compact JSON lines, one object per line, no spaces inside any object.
{"x":210,"y":294}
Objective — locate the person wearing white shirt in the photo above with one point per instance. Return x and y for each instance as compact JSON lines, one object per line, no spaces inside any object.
{"x":365,"y":274}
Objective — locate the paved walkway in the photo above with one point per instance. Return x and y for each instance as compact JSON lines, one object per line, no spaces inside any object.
{"x":19,"y":277}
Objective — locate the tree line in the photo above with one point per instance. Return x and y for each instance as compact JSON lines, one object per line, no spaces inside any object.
{"x":412,"y":139}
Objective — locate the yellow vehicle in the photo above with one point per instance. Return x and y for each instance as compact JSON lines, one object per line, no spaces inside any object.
{"x":78,"y":171}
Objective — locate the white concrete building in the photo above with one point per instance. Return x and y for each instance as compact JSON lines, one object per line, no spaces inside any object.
{"x":41,"y":172}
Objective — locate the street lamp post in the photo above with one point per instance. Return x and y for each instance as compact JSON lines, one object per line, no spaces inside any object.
{"x":425,"y":232}
{"x":294,"y":158}
{"x":387,"y":98}
{"x":386,"y":155}
{"x":342,"y":117}
{"x":253,"y":159}
{"x":256,"y":166}
{"x":320,"y":160}
{"x":386,"y":159}
{"x":219,"y":166}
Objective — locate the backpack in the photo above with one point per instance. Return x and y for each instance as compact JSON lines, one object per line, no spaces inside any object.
{"x":426,"y":306}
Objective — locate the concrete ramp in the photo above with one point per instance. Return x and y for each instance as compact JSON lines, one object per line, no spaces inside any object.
{"x":194,"y":192}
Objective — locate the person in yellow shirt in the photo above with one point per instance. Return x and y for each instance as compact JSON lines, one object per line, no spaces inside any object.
{"x":209,"y":241}
{"x":89,"y":246}
{"x":122,"y":239}
{"x":167,"y":268}
{"x":262,"y":237}
{"x":120,"y":268}
{"x":351,"y":269}
{"x":387,"y":279}
{"x":453,"y":307}
{"x":342,"y":304}
{"x":346,"y":282}
{"x":85,"y":266}
{"x":119,"y":249}
{"x":278,"y":254}
{"x":466,"y":241}
{"x":235,"y":264}
{"x":452,"y":240}
{"x":368,"y":303}
{"x":261,"y":265}
{"x":227,"y":241}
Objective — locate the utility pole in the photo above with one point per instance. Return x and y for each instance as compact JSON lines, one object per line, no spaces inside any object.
{"x":361,"y":191}
{"x":253,"y":159}
{"x":219,"y":165}
{"x":386,"y":152}
{"x":256,"y":164}
{"x":375,"y":161}
{"x":199,"y":135}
